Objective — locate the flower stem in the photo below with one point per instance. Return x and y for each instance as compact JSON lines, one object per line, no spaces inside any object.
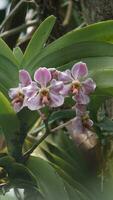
{"x":36,"y":144}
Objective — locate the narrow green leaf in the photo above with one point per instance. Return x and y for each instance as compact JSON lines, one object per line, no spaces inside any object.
{"x":8,"y":75}
{"x":94,"y":105}
{"x":81,"y":191}
{"x":50,"y":183}
{"x":8,"y":68}
{"x":11,"y":127}
{"x":97,"y":32}
{"x":18,"y":54}
{"x":56,"y":150}
{"x":76,"y":51}
{"x":104,"y":80}
{"x":19,"y":176}
{"x":101,"y":31}
{"x":38,"y":40}
{"x":8,"y":197}
{"x":63,"y":164}
{"x":6,"y":52}
{"x":62,"y":114}
{"x":93,"y":63}
{"x":106,"y":125}
{"x":26,"y":122}
{"x":72,"y":193}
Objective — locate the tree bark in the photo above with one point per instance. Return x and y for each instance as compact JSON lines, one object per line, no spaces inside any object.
{"x":97,"y":10}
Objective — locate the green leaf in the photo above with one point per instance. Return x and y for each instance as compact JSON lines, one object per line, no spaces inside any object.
{"x":65,"y":157}
{"x":7,"y":197}
{"x":11,"y":127}
{"x":62,"y":114}
{"x":26,"y":122}
{"x":50,"y":183}
{"x":104,"y":90}
{"x":38,"y":41}
{"x":81,"y":191}
{"x":71,"y":170}
{"x":5,"y":51}
{"x":93,"y":63}
{"x":18,"y":54}
{"x":8,"y":68}
{"x":106,"y":125}
{"x":76,"y":51}
{"x":19,"y":176}
{"x":101,"y":31}
{"x":94,"y":105}
{"x":8,"y":75}
{"x":53,"y":148}
{"x":104,"y":81}
{"x":72,"y":193}
{"x":97,"y":32}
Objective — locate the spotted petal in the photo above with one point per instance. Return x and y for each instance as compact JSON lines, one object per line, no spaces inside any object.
{"x":24,"y":77}
{"x":79,"y":70}
{"x":31,"y":90}
{"x":81,"y":98}
{"x":89,"y":86}
{"x":56,"y":100}
{"x":76,"y":126}
{"x":80,"y":109}
{"x":56,"y":86}
{"x":18,"y":106}
{"x":66,"y":90}
{"x":65,"y":76}
{"x":34,"y":103}
{"x":13,"y":92}
{"x":42,"y":76}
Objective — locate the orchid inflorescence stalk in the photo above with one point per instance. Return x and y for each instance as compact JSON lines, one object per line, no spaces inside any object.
{"x":50,"y":87}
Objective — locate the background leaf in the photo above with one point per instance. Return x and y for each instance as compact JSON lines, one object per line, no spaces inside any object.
{"x":38,"y":41}
{"x":10,"y":126}
{"x":18,"y":54}
{"x":50,"y":183}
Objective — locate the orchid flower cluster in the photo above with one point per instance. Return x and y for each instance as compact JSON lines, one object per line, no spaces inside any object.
{"x":50,"y":87}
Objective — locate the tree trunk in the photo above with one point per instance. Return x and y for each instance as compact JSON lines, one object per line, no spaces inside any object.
{"x":97,"y":10}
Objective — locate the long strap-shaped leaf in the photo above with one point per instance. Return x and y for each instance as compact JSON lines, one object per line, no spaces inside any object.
{"x":98,"y":32}
{"x":38,"y":40}
{"x":8,"y":68}
{"x":75,"y":51}
{"x":10,"y":125}
{"x":50,"y":182}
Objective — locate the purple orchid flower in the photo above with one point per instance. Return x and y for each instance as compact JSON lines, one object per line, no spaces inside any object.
{"x":17,"y":94}
{"x":54,"y":73}
{"x":47,"y":92}
{"x":75,"y":83}
{"x":82,"y":122}
{"x":80,"y":126}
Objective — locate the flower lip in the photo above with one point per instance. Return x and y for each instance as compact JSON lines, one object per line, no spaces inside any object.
{"x":44,"y":91}
{"x":18,"y":98}
{"x":87,"y":122}
{"x":75,"y":86}
{"x":44,"y":94}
